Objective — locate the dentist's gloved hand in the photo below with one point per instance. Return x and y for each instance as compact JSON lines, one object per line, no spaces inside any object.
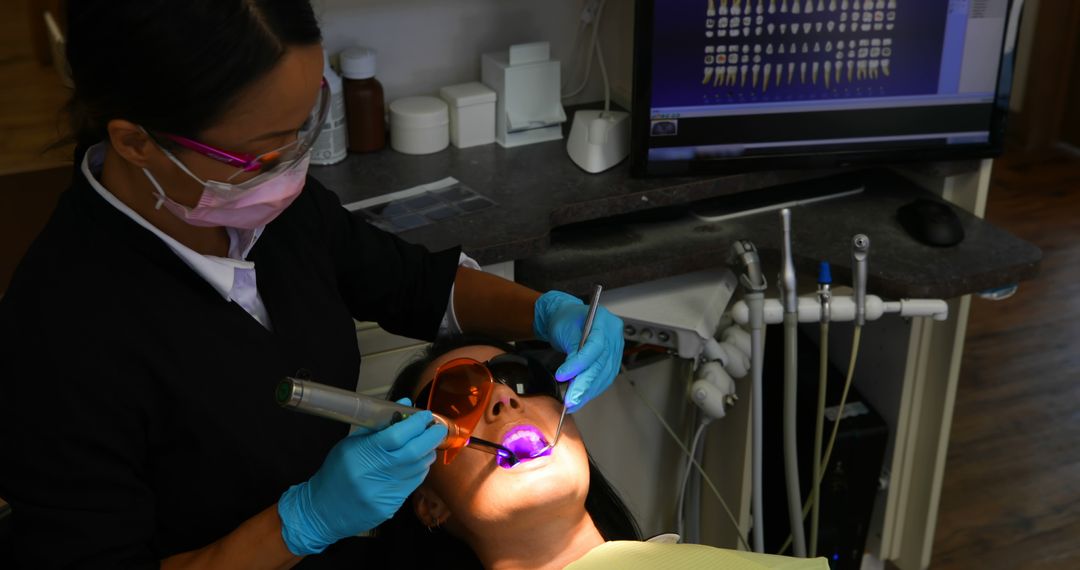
{"x":559,"y":319}
{"x":363,"y":481}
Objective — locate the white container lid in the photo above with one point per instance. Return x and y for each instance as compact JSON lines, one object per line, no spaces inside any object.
{"x":467,"y":94}
{"x":358,"y":62}
{"x":418,"y":112}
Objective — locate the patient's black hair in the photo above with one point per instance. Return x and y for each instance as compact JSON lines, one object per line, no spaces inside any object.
{"x":405,"y":534}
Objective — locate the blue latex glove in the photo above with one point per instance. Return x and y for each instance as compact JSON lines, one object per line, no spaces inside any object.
{"x":559,"y":319}
{"x":363,"y":481}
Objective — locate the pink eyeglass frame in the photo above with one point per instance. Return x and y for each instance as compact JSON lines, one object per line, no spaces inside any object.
{"x":244,"y":161}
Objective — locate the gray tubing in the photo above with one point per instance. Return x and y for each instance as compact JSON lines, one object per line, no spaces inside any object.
{"x":791,"y":463}
{"x":755,"y":301}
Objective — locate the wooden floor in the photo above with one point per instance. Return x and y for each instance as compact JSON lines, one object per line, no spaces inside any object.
{"x":1011,"y":496}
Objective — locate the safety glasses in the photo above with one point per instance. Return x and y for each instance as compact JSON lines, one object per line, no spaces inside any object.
{"x":269,"y":163}
{"x":461,"y":389}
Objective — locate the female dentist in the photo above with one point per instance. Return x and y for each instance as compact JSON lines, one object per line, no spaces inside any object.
{"x":190,"y":266}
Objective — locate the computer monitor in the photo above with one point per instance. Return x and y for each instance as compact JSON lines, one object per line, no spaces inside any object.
{"x":728,"y":85}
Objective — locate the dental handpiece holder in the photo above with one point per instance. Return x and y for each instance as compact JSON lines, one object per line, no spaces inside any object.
{"x":357,"y":409}
{"x":844,"y":308}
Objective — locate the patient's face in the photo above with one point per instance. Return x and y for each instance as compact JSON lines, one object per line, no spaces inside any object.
{"x":477,"y":490}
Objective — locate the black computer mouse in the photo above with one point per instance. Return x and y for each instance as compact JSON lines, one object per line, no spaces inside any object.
{"x":931,"y":222}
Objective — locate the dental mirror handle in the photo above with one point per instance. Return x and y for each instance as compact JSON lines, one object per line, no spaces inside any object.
{"x":356,"y":409}
{"x":860,"y":251}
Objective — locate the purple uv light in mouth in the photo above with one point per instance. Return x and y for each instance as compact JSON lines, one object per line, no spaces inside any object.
{"x":524,"y":441}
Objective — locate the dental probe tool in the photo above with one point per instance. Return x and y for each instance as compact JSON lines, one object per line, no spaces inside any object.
{"x":754,"y":283}
{"x":860,"y":251}
{"x":372,"y":413}
{"x":791,"y":322}
{"x":593,"y":304}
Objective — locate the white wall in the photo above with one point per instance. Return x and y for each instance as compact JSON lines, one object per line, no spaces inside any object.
{"x":426,"y":44}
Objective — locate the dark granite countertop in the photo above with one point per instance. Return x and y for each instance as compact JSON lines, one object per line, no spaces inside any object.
{"x":538,"y":189}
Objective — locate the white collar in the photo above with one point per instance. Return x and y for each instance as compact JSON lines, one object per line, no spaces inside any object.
{"x":219,"y":272}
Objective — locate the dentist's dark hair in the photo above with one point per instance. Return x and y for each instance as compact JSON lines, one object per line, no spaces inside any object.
{"x":173,"y":66}
{"x":406,"y":536}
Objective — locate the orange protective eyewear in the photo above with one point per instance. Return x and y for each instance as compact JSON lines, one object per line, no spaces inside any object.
{"x":461,"y":390}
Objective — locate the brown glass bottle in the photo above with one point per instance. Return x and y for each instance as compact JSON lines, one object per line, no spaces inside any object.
{"x":364,"y":103}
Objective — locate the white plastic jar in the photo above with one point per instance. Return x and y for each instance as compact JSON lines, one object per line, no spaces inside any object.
{"x":419,"y":125}
{"x":472,"y":114}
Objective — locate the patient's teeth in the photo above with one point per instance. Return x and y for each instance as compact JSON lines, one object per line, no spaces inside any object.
{"x":839,"y":66}
{"x":828,"y":72}
{"x":712,"y":8}
{"x":860,"y":72}
{"x":809,"y":8}
{"x":736,"y":7}
{"x":783,"y":29}
{"x":806,"y":28}
{"x":817,"y":47}
{"x":783,"y":5}
{"x":805,"y":47}
{"x":873,"y":69}
{"x":754,"y":74}
{"x":781,"y":48}
{"x":814,"y":75}
{"x":850,"y":70}
{"x":768,"y":49}
{"x":772,"y":6}
{"x":832,"y":5}
{"x":885,"y":67}
{"x":765,"y":83}
{"x":795,"y":7}
{"x":843,"y":27}
{"x":771,"y":28}
{"x":802,"y":73}
{"x":723,"y":8}
{"x":732,"y":75}
{"x":817,"y":27}
{"x":828,"y":47}
{"x":829,"y":26}
{"x":742,"y":75}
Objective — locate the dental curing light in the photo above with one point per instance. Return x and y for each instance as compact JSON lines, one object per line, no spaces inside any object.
{"x":791,"y":323}
{"x":373,"y":414}
{"x":753,"y":281}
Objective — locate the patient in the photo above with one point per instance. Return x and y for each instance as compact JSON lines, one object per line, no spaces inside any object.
{"x":549,"y":512}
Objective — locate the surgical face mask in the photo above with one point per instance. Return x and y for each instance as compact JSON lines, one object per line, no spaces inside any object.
{"x":246,"y":205}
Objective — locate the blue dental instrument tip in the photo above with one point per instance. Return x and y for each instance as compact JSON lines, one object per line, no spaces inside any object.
{"x":824,"y":273}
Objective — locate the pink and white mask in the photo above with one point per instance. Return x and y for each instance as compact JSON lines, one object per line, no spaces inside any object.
{"x":245,"y":206}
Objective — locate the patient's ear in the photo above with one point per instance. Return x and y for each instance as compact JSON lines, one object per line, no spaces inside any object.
{"x":429,"y":507}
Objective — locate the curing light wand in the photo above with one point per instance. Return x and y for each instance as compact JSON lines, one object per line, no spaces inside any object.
{"x":373,"y":413}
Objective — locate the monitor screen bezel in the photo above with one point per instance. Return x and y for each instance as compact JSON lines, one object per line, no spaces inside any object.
{"x":642,"y":105}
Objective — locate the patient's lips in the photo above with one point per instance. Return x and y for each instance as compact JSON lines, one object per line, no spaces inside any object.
{"x":524,"y":441}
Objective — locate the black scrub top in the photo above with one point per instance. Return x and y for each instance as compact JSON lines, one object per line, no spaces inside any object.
{"x":137,"y":412}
